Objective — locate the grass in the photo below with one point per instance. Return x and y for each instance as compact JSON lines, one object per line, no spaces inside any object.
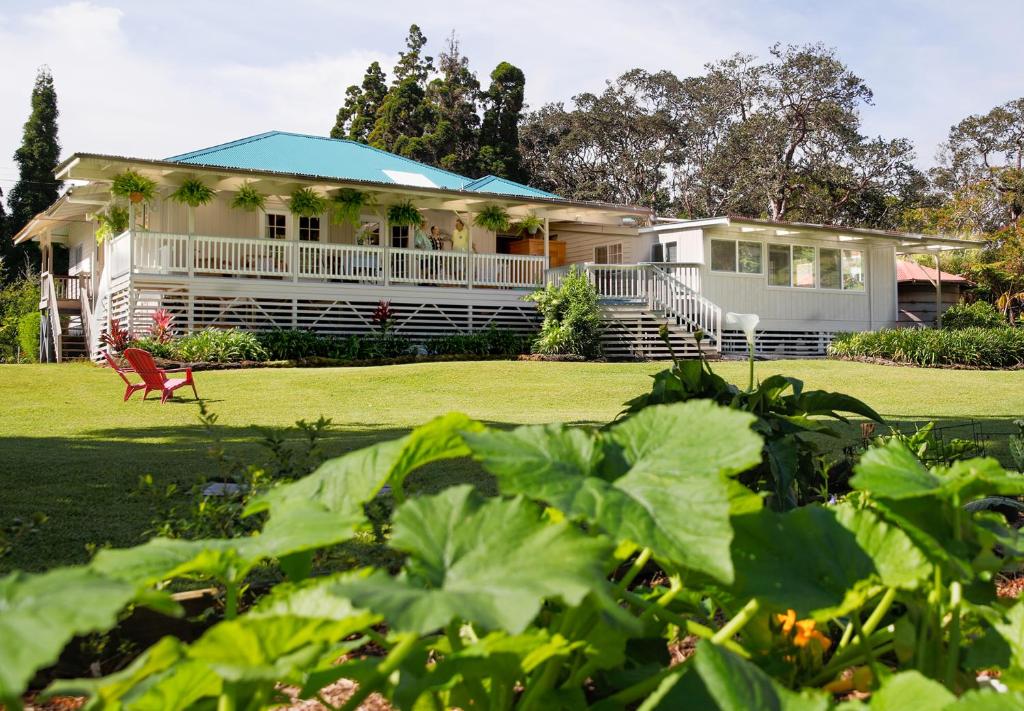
{"x":70,"y":449}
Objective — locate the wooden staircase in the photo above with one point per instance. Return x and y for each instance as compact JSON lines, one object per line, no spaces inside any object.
{"x":633,"y":332}
{"x":65,"y":299}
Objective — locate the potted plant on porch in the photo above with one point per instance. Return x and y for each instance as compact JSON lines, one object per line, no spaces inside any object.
{"x":493,"y":218}
{"x":193,"y":193}
{"x":306,"y":202}
{"x":404,"y":214}
{"x":111,"y":223}
{"x":133,"y":186}
{"x":248,"y":198}
{"x":347,"y":206}
{"x":529,"y":224}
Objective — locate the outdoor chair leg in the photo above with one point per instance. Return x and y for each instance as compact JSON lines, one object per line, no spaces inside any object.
{"x":194,"y":392}
{"x":128,"y":393}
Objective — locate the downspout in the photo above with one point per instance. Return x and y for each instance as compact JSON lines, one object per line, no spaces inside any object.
{"x":938,"y":290}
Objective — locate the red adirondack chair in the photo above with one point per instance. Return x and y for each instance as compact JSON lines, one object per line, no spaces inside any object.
{"x":130,"y":387}
{"x":156,"y":378}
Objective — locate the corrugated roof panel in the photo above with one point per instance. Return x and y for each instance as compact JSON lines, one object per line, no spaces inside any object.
{"x":503,"y":186}
{"x":282,"y":152}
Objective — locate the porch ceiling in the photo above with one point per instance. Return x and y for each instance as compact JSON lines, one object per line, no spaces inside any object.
{"x":99,"y":170}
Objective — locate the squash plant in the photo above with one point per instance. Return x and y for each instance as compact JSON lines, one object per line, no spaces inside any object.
{"x":565,"y":590}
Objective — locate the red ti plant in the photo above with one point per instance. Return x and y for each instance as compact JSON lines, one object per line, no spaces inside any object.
{"x":163,"y":321}
{"x":116,"y":338}
{"x":384,"y":316}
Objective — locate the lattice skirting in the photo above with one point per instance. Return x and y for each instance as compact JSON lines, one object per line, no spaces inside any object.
{"x":787,"y":343}
{"x":422,"y":318}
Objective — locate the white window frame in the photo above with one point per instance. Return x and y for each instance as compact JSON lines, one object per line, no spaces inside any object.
{"x":736,"y":257}
{"x":320,"y":232}
{"x":265,"y":233}
{"x":408,"y":236}
{"x":607,"y":251}
{"x":817,"y":269}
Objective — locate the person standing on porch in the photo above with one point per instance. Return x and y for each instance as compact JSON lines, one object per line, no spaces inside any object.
{"x":460,"y":237}
{"x":421,"y":240}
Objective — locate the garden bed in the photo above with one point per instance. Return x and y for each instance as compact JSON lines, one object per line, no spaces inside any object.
{"x":317,"y":362}
{"x":904,"y":364}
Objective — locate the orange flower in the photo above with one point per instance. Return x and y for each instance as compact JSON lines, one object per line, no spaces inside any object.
{"x":805,"y":632}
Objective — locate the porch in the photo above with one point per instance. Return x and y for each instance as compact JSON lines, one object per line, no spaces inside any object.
{"x":191,"y":256}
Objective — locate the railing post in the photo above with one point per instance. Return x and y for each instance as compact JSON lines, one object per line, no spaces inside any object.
{"x":295,"y":261}
{"x":190,"y":259}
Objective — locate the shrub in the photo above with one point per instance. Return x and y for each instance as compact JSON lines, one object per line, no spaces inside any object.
{"x":492,"y":342}
{"x":214,"y":345}
{"x":976,"y":347}
{"x":572,"y":317}
{"x":980,"y":314}
{"x":28,"y":336}
{"x":18,"y":300}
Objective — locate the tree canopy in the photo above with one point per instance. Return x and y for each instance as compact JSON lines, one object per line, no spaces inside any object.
{"x":37,"y":157}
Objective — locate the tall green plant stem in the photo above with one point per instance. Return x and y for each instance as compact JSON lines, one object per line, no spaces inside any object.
{"x":738,"y":622}
{"x":638,"y":564}
{"x":750,"y":359}
{"x":873,"y":620}
{"x":406,"y":644}
{"x":865,"y":647}
{"x":878,"y":642}
{"x":687,"y":626}
{"x":953,"y":645}
{"x":230,"y":601}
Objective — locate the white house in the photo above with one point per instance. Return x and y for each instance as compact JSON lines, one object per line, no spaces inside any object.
{"x":219,"y":266}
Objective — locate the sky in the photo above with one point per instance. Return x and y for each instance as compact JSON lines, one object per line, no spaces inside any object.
{"x":152,"y":78}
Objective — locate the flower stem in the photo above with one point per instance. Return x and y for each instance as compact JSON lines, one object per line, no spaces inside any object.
{"x":398,"y":653}
{"x":638,"y":564}
{"x":953,"y":645}
{"x":733,"y":626}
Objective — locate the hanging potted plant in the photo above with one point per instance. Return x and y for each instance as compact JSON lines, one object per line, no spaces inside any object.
{"x":133,"y":186}
{"x":111,"y":223}
{"x":493,"y":218}
{"x":306,"y":202}
{"x":404,"y":214}
{"x":248,"y":198}
{"x":529,"y":224}
{"x":348,"y":205}
{"x":193,"y":192}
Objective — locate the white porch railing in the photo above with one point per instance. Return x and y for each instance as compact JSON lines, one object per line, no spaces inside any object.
{"x":163,"y":253}
{"x":670,"y":288}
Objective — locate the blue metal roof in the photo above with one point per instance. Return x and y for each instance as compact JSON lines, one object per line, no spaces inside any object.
{"x":282,"y":152}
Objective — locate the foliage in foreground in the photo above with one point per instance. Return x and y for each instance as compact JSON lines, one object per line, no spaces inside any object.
{"x":565,"y":591}
{"x":19,"y":319}
{"x":572,"y":317}
{"x":976,"y":347}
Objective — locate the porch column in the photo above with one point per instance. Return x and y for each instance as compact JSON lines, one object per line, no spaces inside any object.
{"x":547,"y":247}
{"x":938,"y":289}
{"x":385,"y":236}
{"x":470,"y":262}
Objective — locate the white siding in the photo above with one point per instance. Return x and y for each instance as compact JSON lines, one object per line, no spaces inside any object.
{"x":580,"y":241}
{"x":787,"y":308}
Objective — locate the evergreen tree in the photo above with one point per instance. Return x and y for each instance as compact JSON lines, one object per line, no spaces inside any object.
{"x":499,"y":134}
{"x":403,"y":115}
{"x":357,"y":116}
{"x":450,"y":139}
{"x":38,"y":155}
{"x":412,"y":63}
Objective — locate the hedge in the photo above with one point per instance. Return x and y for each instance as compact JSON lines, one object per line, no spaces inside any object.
{"x":1001,"y":347}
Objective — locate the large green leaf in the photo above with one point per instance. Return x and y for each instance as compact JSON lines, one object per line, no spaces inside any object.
{"x":39,"y":614}
{"x":1002,"y":646}
{"x":491,"y":562}
{"x":722,"y":681}
{"x":821,"y":561}
{"x":656,"y":479}
{"x":911,"y":690}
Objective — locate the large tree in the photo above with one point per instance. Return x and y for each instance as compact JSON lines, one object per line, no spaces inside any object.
{"x":981,"y":168}
{"x":37,"y":157}
{"x":450,"y":137}
{"x":358,"y":114}
{"x":404,"y":114}
{"x":499,"y":132}
{"x":778,"y":139}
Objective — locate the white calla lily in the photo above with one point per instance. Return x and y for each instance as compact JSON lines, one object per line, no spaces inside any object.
{"x":748,"y":324}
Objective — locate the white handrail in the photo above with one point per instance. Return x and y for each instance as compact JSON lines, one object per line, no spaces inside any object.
{"x":53,"y":313}
{"x":86,"y":306}
{"x":688,"y":307}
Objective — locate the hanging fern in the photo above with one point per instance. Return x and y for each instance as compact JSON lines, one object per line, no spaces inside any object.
{"x":248,"y":198}
{"x":529,"y":224}
{"x":111,"y":223}
{"x":404,"y":214}
{"x":133,"y":186}
{"x":306,"y":202}
{"x":348,"y":205}
{"x":193,"y":192}
{"x":493,"y":218}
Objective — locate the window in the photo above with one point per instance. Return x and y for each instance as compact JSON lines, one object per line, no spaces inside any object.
{"x":667,"y":252}
{"x":830,"y":268}
{"x":309,"y":229}
{"x":723,"y":255}
{"x":368,"y":233}
{"x":778,"y":265}
{"x":803,"y":267}
{"x":608,"y":254}
{"x":853,"y":270}
{"x":733,"y":256}
{"x":400,"y":236}
{"x":276,"y":226}
{"x":748,"y":256}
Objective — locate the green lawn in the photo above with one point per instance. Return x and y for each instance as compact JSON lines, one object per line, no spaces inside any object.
{"x":71,"y":449}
